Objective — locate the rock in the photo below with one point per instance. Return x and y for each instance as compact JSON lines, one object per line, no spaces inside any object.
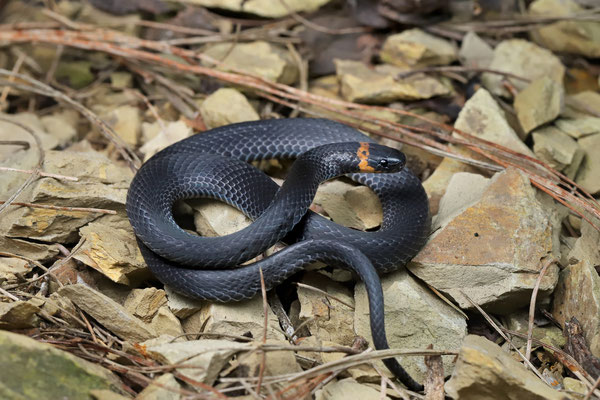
{"x":570,"y":36}
{"x":76,"y":74}
{"x":126,"y":121}
{"x":276,"y":363}
{"x":144,"y":303}
{"x":475,"y":52}
{"x":519,"y":322}
{"x":540,"y":102}
{"x":583,"y":103}
{"x":165,"y":387}
{"x":31,"y":250}
{"x":113,"y":252}
{"x":57,"y":305}
{"x":101,"y":184}
{"x":264,"y":8}
{"x":574,"y":385}
{"x":226,"y":106}
{"x":180,"y":305}
{"x":436,"y":184}
{"x":379,"y":85}
{"x":9,"y":131}
{"x":589,"y":174}
{"x":108,"y":312}
{"x":578,"y":291}
{"x":348,"y":389}
{"x":524,"y":59}
{"x":414,"y":48}
{"x":347,"y":204}
{"x":484,"y":370}
{"x":330,"y":320}
{"x":128,"y":24}
{"x":121,"y":80}
{"x":465,"y":190}
{"x":199,"y":360}
{"x":558,"y":150}
{"x":260,"y":58}
{"x":166,"y":323}
{"x":482,"y":116}
{"x":62,"y":125}
{"x":18,"y":315}
{"x":239,"y":318}
{"x":415,"y":318}
{"x":34,"y":370}
{"x":12,"y":268}
{"x":492,"y":250}
{"x":578,"y":127}
{"x":158,"y":136}
{"x":215,"y":218}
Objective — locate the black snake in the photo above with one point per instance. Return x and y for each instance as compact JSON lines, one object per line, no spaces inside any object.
{"x":215,"y":164}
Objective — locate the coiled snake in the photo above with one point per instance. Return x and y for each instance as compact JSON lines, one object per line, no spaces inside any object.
{"x":215,"y":164}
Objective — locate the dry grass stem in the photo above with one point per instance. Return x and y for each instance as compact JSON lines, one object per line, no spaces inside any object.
{"x":536,"y":287}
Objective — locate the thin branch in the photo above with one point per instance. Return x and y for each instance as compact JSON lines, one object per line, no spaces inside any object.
{"x":61,"y":208}
{"x":41,"y":173}
{"x":534,"y":293}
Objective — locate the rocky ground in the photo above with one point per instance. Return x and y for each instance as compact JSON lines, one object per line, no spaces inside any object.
{"x":497,"y":108}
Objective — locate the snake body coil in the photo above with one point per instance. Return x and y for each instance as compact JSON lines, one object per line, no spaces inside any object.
{"x":215,"y":164}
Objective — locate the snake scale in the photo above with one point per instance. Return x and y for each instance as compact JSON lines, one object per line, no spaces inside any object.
{"x":215,"y":164}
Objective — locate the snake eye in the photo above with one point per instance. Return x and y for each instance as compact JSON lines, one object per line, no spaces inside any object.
{"x":383,"y":163}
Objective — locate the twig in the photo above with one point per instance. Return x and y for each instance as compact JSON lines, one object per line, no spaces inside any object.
{"x":72,"y":209}
{"x":588,"y":395}
{"x":9,"y":295}
{"x":434,"y":381}
{"x":21,"y":143}
{"x":534,"y":293}
{"x":263,"y":291}
{"x":459,"y":68}
{"x":36,"y":86}
{"x":501,"y":332}
{"x":35,"y":173}
{"x":41,"y":173}
{"x":320,"y":28}
{"x":403,"y":393}
{"x":16,"y":68}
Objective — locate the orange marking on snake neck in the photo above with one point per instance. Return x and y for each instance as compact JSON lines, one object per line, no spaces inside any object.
{"x":363,"y":156}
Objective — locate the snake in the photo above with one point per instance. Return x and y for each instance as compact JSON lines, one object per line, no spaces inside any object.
{"x":217,"y":164}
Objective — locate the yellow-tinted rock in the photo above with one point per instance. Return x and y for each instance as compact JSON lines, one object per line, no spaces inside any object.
{"x":482,"y":116}
{"x":415,"y":318}
{"x":540,"y":102}
{"x":492,"y":250}
{"x":264,"y":8}
{"x":113,"y":252}
{"x":359,"y":83}
{"x":348,"y":389}
{"x":485,"y":371}
{"x":18,"y":315}
{"x":524,"y":59}
{"x":570,"y":36}
{"x":262,"y":59}
{"x":330,"y":320}
{"x":558,"y":150}
{"x":589,"y":174}
{"x":226,"y":106}
{"x":353,"y":206}
{"x":126,"y":121}
{"x":578,"y":291}
{"x":416,"y":49}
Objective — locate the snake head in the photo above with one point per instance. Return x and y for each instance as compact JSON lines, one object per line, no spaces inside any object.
{"x":378,"y":158}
